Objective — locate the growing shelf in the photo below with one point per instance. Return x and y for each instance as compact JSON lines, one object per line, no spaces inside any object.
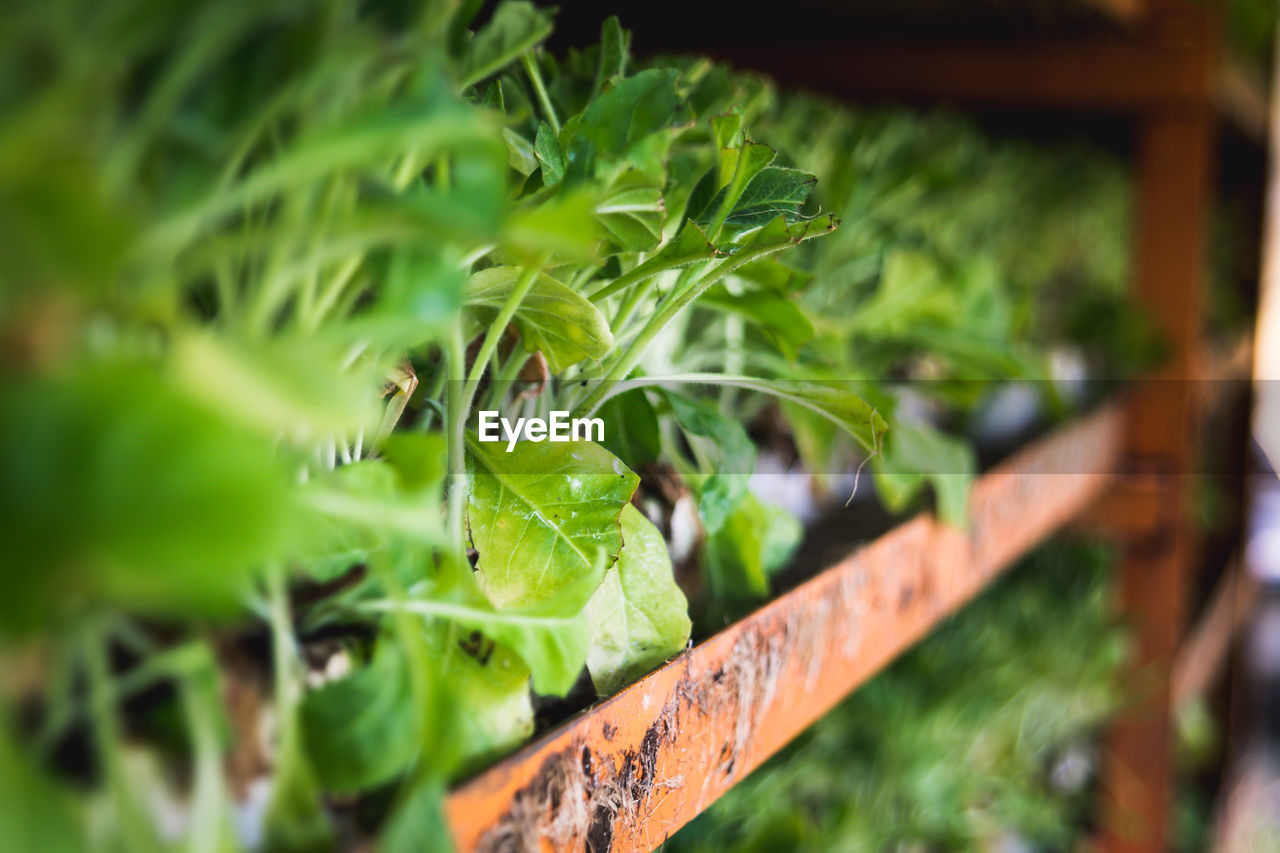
{"x":629,"y":772}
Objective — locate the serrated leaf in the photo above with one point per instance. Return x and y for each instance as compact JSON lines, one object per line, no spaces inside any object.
{"x":550,"y":155}
{"x":544,"y":520}
{"x":553,"y":320}
{"x":743,"y":165}
{"x":638,"y":617}
{"x":516,"y":26}
{"x":689,"y":246}
{"x":774,"y":192}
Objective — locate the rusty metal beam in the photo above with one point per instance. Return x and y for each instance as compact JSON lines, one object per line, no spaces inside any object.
{"x":1125,"y":12}
{"x":1207,"y":646}
{"x":1102,"y":74}
{"x":628,"y":773}
{"x":1173,"y":182}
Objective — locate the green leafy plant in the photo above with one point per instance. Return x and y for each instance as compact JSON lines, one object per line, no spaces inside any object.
{"x":264,"y":267}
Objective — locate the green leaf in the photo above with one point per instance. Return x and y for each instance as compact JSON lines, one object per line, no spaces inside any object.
{"x":112,"y":479}
{"x":833,"y":400}
{"x":751,"y":160}
{"x":615,"y":49}
{"x":777,"y":315}
{"x":516,"y":26}
{"x":564,"y":225}
{"x":521,"y":156}
{"x":549,"y":153}
{"x":417,"y":823}
{"x":772,"y":192}
{"x":370,"y":495}
{"x":627,"y":123}
{"x":295,"y":387}
{"x":632,"y":213}
{"x":632,"y":428}
{"x":551,"y":639}
{"x":917,"y":453}
{"x":295,"y":818}
{"x":689,"y":246}
{"x":776,"y":275}
{"x":361,"y":730}
{"x":719,"y":493}
{"x":552,"y":319}
{"x":755,"y":541}
{"x":639,"y":617}
{"x":418,"y":457}
{"x":373,"y":507}
{"x":493,"y":98}
{"x":489,"y":687}
{"x":38,"y":814}
{"x":544,"y":520}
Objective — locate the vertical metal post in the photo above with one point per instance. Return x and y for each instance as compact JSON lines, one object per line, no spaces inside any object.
{"x":1170,"y":249}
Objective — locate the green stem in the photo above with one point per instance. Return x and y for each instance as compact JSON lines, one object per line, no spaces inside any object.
{"x":535,"y":77}
{"x":283,"y":656}
{"x":455,"y":427}
{"x":133,"y":824}
{"x":688,"y":288}
{"x":505,"y":376}
{"x":207,"y":799}
{"x":630,"y":303}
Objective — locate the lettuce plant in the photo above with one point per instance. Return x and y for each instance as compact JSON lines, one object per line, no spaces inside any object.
{"x":265,"y":266}
{"x":266,"y":585}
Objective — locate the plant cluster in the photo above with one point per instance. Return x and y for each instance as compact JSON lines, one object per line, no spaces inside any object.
{"x":980,"y":736}
{"x":265,"y":586}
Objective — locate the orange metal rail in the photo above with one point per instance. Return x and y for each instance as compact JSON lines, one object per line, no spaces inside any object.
{"x":631,"y":771}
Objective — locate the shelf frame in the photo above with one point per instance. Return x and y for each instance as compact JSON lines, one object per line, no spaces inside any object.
{"x":626,"y":774}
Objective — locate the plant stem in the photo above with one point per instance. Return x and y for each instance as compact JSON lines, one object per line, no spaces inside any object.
{"x":134,"y":825}
{"x":455,"y":426}
{"x":630,"y":303}
{"x":505,"y":376}
{"x":535,"y":77}
{"x":693,"y":282}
